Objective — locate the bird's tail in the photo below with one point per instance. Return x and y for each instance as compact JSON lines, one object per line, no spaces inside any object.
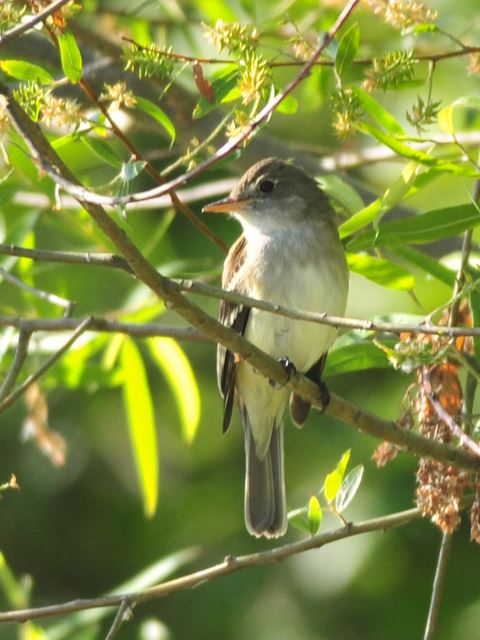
{"x":265,"y":502}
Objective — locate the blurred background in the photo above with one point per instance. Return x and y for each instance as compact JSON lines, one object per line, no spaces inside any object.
{"x":79,"y":529}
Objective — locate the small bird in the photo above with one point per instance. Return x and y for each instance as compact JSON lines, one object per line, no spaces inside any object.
{"x":289,"y":254}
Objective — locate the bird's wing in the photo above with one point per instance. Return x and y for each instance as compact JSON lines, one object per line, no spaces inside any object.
{"x":234,"y":316}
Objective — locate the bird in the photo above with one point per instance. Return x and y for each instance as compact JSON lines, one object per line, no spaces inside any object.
{"x":289,"y":254}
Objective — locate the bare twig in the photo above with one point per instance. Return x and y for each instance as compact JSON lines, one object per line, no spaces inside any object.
{"x":21,"y":353}
{"x":438,"y":585}
{"x":231,"y":564}
{"x":86,"y":196}
{"x":14,"y":395}
{"x":16,"y":31}
{"x":125,"y":612}
{"x":38,"y":293}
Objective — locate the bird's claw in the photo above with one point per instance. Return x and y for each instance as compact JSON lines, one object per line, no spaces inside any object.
{"x":325,"y":393}
{"x":290,"y":370}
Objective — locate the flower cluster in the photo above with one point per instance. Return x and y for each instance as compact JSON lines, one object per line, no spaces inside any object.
{"x":149,"y":61}
{"x":402,"y":14}
{"x":118,"y":95}
{"x":390,"y":70}
{"x":255,"y":77}
{"x":345,"y":107}
{"x":60,"y":112}
{"x":234,"y":37}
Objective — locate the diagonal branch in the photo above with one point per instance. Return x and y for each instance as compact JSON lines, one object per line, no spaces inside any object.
{"x":231,"y":564}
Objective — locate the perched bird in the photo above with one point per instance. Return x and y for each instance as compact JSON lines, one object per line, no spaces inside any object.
{"x":289,"y":254}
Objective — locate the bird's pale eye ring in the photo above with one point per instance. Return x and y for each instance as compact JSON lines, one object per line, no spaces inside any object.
{"x":266,"y":186}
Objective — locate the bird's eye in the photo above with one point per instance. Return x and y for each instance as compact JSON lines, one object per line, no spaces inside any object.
{"x":266,"y":186}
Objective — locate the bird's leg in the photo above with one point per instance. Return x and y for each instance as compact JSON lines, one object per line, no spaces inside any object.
{"x":315,"y":375}
{"x":290,"y":370}
{"x":300,"y":408}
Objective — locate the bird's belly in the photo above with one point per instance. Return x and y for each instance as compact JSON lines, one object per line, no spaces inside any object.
{"x":302,"y":342}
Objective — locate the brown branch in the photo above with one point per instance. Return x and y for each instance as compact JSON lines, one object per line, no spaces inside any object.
{"x":21,"y":353}
{"x":16,"y":31}
{"x":231,"y":564}
{"x":72,"y":186}
{"x":150,"y":169}
{"x":38,"y":293}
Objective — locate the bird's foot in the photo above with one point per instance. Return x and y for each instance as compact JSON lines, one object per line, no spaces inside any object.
{"x":325,"y":393}
{"x":290,"y":370}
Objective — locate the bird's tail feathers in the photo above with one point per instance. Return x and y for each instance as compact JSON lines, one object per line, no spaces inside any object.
{"x":265,"y":501}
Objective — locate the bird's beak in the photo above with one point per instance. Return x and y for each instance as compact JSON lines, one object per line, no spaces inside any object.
{"x":227,"y":205}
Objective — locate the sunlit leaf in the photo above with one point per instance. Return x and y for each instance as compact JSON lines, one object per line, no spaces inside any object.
{"x":314,"y":515}
{"x":70,"y":56}
{"x":378,"y":113}
{"x":356,"y":356}
{"x":349,"y":488}
{"x":160,"y":116}
{"x":426,"y":263}
{"x":288,"y":105}
{"x":340,"y":191}
{"x":420,"y":229}
{"x":103,"y":150}
{"x":298,"y":519}
{"x":381,"y":271}
{"x":334,"y":479}
{"x":27,"y":71}
{"x":347,"y":50}
{"x":174,"y":364}
{"x":141,"y":424}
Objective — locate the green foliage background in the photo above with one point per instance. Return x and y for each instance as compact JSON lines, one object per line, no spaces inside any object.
{"x":80,"y":530}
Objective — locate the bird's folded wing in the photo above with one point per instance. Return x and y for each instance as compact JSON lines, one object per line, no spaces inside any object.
{"x":234,"y":316}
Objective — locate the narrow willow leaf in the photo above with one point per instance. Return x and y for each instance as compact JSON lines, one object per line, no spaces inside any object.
{"x":420,"y":229}
{"x":342,"y":192}
{"x":334,"y":479}
{"x":446,"y":115}
{"x":378,"y":113}
{"x":379,"y":207}
{"x":70,"y":56}
{"x":347,"y":50}
{"x":314,"y":515}
{"x":355,"y":357}
{"x":103,"y":150}
{"x":22,"y":70}
{"x":414,"y":154}
{"x":349,"y":488}
{"x":288,"y":105}
{"x":425,"y":263}
{"x":141,"y":423}
{"x":160,"y":116}
{"x":381,"y":271}
{"x":174,"y":364}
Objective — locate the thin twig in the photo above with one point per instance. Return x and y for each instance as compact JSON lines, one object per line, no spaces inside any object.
{"x":16,"y":31}
{"x":125,"y":612}
{"x":14,"y":395}
{"x":438,"y":585}
{"x":38,"y":293}
{"x":21,"y":353}
{"x":231,"y":564}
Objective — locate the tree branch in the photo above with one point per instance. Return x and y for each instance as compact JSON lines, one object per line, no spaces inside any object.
{"x":231,"y":564}
{"x":438,"y":585}
{"x":16,"y":31}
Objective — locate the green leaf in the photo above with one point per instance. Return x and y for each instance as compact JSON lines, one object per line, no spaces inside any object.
{"x":174,"y":364}
{"x":378,"y":113}
{"x":446,"y":115}
{"x":420,"y":28}
{"x":131,"y":169}
{"x":379,"y":207}
{"x":70,"y":56}
{"x":413,"y":154}
{"x":347,"y":50}
{"x":103,"y":150}
{"x":382,"y":271}
{"x":160,"y":116}
{"x":141,"y":424}
{"x":297,"y":518}
{"x":223,"y":81}
{"x":334,"y":479}
{"x":424,"y":262}
{"x":349,"y":488}
{"x":339,"y":190}
{"x":22,"y":70}
{"x":475,"y":304}
{"x":288,"y":105}
{"x":314,"y":515}
{"x":355,"y":356}
{"x":420,"y":229}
